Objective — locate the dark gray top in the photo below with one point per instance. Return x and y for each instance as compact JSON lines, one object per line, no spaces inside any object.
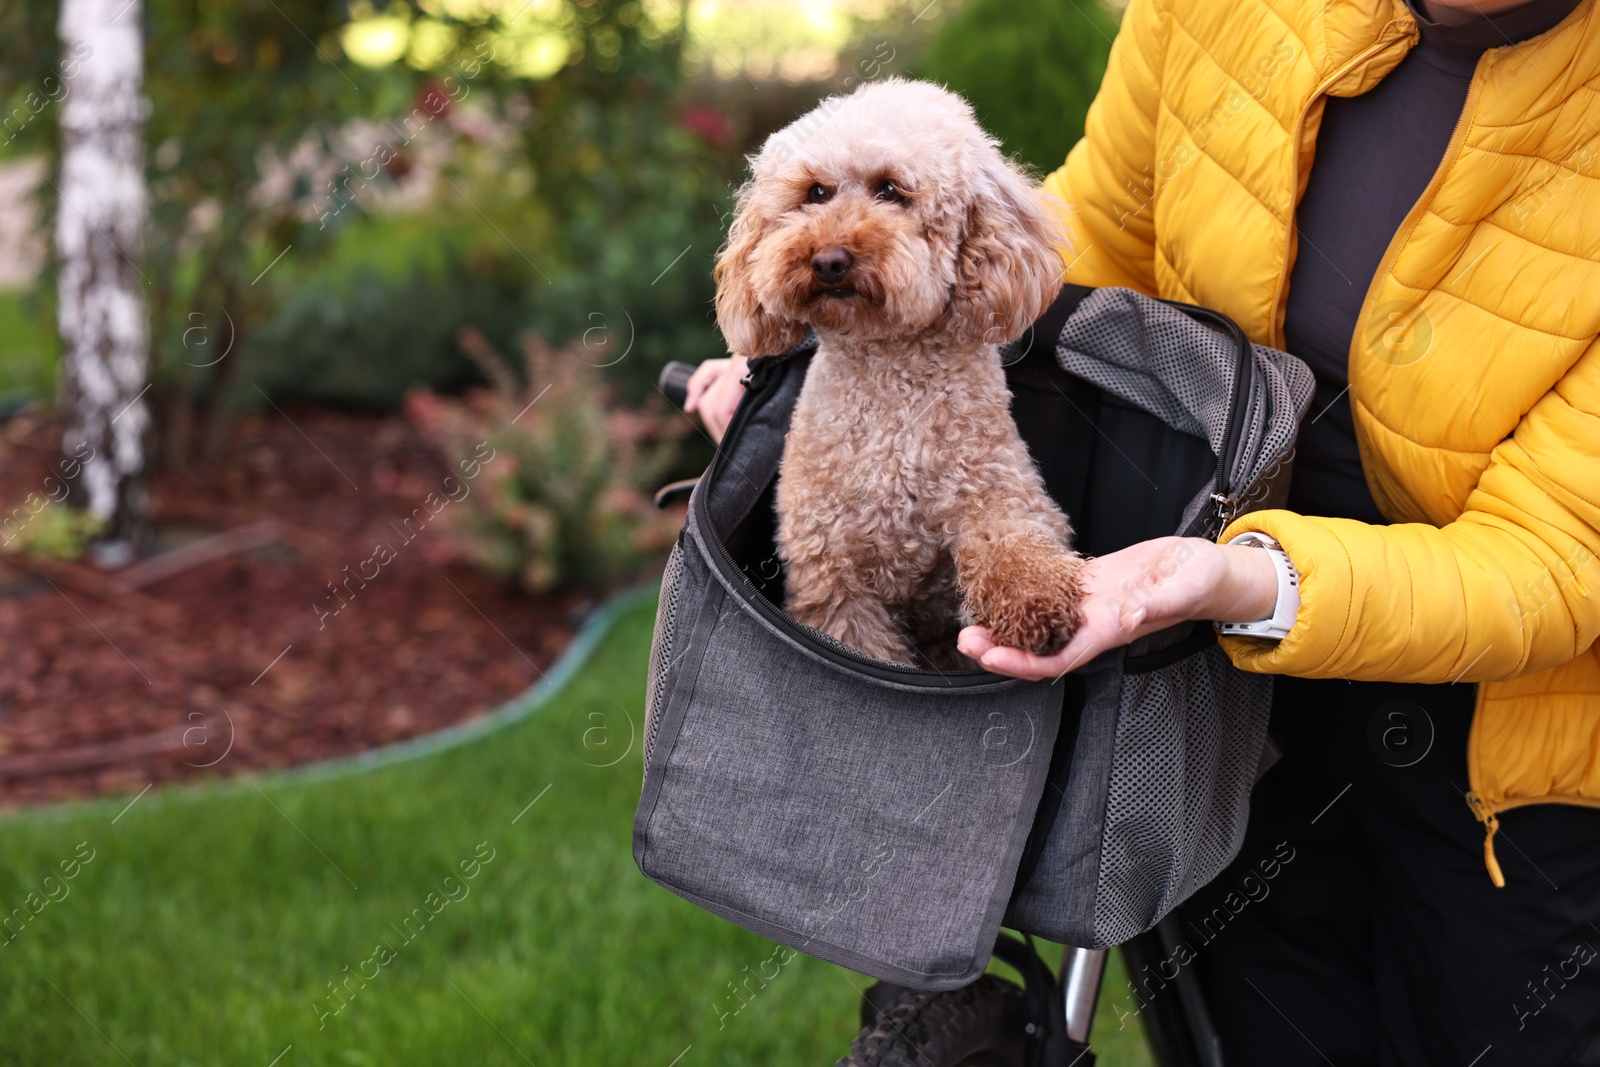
{"x":1375,"y":155}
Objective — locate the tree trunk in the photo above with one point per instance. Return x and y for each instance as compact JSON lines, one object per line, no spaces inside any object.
{"x":100,"y":221}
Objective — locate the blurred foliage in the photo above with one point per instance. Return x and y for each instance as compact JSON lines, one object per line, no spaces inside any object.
{"x":589,"y":213}
{"x":29,"y":345}
{"x":41,"y":527}
{"x":1030,"y":68}
{"x":229,"y":87}
{"x":31,"y":83}
{"x":596,"y":223}
{"x":560,"y":500}
{"x":378,"y":316}
{"x":232,"y":87}
{"x":241,"y":87}
{"x":638,"y":192}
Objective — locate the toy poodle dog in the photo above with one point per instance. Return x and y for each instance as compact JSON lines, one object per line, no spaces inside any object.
{"x":891,"y":223}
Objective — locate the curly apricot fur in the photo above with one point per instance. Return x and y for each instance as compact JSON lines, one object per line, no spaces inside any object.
{"x":907,"y":501}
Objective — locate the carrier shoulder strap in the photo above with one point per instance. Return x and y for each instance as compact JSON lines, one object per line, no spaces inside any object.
{"x":1055,"y":412}
{"x":1043,"y":334}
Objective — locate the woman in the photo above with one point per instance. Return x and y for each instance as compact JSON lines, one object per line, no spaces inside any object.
{"x":1408,"y":198}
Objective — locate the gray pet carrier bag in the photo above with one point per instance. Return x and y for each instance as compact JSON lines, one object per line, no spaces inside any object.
{"x":891,"y":819}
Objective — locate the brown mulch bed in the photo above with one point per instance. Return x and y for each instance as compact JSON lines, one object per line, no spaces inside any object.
{"x":106,"y":688}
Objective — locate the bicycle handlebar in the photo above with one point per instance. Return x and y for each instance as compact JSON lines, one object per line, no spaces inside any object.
{"x":674,"y":381}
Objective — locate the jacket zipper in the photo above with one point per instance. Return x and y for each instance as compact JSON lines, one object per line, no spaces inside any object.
{"x":1484,"y":813}
{"x":1481,"y":809}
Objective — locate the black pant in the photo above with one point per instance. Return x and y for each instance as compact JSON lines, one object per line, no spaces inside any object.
{"x":1380,"y":940}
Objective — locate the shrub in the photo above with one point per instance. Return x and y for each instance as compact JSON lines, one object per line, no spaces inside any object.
{"x":379,"y":315}
{"x":365,"y":339}
{"x":1030,"y":69}
{"x":562,"y":500}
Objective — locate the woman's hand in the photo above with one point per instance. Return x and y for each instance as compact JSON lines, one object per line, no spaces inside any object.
{"x":714,"y":392}
{"x":1142,"y":589}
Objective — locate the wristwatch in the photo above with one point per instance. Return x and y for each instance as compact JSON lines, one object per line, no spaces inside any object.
{"x":1288,"y":604}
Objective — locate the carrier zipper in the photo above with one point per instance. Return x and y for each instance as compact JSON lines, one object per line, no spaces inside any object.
{"x":757,"y":375}
{"x":883,"y":669}
{"x":1224,"y":497}
{"x":757,"y":371}
{"x":757,"y":380}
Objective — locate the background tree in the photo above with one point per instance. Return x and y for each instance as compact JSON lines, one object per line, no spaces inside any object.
{"x":100,"y":240}
{"x":236,"y":86}
{"x":239,"y":85}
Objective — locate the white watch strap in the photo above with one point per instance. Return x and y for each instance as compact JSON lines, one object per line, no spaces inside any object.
{"x":1288,"y":603}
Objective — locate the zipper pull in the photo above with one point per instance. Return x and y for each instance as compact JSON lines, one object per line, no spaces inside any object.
{"x":1227,"y":508}
{"x":756,"y":373}
{"x":1485,"y":814}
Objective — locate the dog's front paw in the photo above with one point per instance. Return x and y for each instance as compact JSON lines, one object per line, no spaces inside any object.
{"x":1040,"y":615}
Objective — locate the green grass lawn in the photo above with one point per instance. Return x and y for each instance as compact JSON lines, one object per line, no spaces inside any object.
{"x":213,"y":925}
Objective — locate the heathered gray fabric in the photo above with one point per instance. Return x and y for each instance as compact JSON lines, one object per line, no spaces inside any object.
{"x":1155,"y":356}
{"x":876,"y":817}
{"x":876,"y":827}
{"x":1158,"y":798}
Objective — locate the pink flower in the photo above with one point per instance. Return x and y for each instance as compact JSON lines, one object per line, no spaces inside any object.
{"x":707,"y":123}
{"x":422,"y":406}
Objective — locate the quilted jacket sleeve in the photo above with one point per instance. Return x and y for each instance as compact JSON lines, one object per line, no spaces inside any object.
{"x":1510,"y":587}
{"x":1107,"y":181}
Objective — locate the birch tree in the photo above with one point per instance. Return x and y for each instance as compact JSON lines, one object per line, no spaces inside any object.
{"x":100,"y":220}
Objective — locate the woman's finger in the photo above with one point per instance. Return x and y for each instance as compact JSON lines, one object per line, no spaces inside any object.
{"x":702,"y":379}
{"x":974,"y":641}
{"x":1105,"y":626}
{"x":1015,"y":663}
{"x":722,"y":397}
{"x":1019,"y":664}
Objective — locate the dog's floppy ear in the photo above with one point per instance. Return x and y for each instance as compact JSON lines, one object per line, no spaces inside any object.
{"x":748,"y":327}
{"x":1008,"y":266}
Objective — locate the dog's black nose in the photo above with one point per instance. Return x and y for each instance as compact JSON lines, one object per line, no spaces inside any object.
{"x":831,"y":265}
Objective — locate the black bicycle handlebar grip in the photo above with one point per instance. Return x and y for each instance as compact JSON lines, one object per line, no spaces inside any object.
{"x":674,"y":381}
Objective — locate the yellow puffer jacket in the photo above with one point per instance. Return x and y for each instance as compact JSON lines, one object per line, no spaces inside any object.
{"x":1474,"y":375}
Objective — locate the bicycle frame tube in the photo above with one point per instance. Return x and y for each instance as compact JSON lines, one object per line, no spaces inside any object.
{"x":1081,"y":970}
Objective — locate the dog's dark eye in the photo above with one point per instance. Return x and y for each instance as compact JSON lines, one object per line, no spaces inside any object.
{"x":817,"y":193}
{"x":890,"y":192}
